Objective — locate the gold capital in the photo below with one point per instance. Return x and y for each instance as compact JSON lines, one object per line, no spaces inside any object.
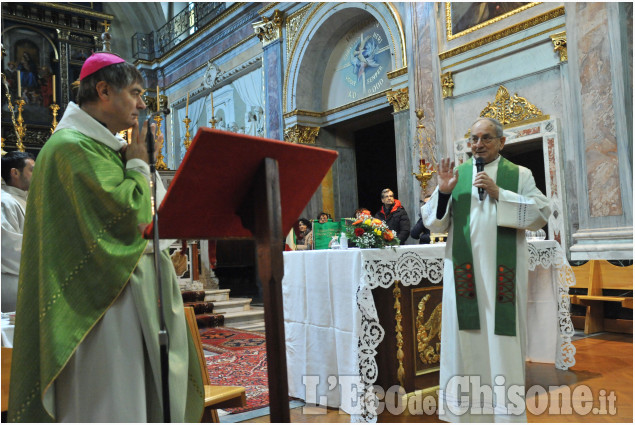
{"x":447,"y":84}
{"x":301,"y":134}
{"x":560,"y":45}
{"x":399,"y":99}
{"x":269,"y":29}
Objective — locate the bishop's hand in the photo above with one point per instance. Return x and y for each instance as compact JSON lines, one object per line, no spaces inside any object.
{"x":447,"y":176}
{"x":137,"y":147}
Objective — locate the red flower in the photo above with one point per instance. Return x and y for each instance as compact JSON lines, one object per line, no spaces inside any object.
{"x":388,"y":236}
{"x":359,"y":231}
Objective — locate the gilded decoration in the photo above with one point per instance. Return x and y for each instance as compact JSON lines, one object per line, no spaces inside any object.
{"x":560,"y":45}
{"x":401,"y":372}
{"x":294,"y":25}
{"x":447,"y":84}
{"x":397,"y":72}
{"x":547,"y":16}
{"x":301,"y":134}
{"x":399,"y":99}
{"x":510,"y":109}
{"x":269,"y":29}
{"x":476,"y":16}
{"x":427,"y":330}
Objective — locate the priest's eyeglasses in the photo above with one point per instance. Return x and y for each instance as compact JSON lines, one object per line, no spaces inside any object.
{"x":485,"y":138}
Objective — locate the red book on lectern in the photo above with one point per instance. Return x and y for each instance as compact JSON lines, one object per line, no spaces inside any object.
{"x":217,"y":173}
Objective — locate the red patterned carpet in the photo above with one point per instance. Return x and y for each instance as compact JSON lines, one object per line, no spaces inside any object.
{"x":222,"y":340}
{"x":242,"y":361}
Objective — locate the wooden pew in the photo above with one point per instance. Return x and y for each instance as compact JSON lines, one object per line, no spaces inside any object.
{"x":595,"y":276}
{"x":6,"y":377}
{"x":216,"y":397}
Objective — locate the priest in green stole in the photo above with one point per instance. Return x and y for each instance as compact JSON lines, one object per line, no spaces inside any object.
{"x":86,"y":336}
{"x":483,"y":336}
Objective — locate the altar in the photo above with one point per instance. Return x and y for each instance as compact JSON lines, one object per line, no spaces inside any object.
{"x":333,"y":328}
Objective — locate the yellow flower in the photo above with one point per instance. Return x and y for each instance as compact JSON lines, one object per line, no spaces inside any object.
{"x":377,"y":232}
{"x":367,"y":222}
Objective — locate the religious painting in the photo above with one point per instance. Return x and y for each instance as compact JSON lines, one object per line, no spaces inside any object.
{"x":79,"y":53}
{"x":28,"y":72}
{"x":463,"y":18}
{"x":358,"y":65}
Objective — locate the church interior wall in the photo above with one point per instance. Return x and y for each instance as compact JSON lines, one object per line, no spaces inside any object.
{"x":573,"y":90}
{"x":589,"y":93}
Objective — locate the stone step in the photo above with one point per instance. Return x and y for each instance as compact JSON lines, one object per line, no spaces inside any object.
{"x":244,"y":318}
{"x":216,"y":295}
{"x":253,"y":327}
{"x":232,"y":305}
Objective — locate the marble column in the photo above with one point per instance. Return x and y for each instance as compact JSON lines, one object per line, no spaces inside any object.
{"x":426,"y":85}
{"x":596,"y":46}
{"x":403,"y":151}
{"x":272,"y":62}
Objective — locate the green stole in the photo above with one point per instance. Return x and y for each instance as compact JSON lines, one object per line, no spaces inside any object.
{"x":464,"y":268}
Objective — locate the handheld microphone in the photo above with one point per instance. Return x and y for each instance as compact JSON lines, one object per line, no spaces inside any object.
{"x":150,"y":145}
{"x":480,"y":166}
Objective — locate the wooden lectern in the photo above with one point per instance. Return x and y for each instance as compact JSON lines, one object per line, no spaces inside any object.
{"x":237,"y":186}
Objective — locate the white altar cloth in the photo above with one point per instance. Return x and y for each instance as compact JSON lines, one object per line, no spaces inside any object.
{"x":331,"y":324}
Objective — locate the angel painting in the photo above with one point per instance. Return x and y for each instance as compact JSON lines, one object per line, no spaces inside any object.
{"x":363,"y":56}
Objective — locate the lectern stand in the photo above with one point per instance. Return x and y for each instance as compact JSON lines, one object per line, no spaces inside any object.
{"x":237,"y":186}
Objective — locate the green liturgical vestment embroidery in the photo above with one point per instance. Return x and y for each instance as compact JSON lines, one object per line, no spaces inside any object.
{"x":464,"y":267}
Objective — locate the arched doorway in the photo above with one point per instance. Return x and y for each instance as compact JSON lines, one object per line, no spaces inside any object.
{"x":337,"y":79}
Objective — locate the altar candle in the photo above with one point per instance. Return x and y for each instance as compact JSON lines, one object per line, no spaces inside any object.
{"x":158,"y":99}
{"x":187,"y":103}
{"x":211,"y":95}
{"x":54,"y":98}
{"x":19,"y":85}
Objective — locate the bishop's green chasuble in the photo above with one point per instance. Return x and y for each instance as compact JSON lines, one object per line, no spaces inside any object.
{"x":81,"y":246}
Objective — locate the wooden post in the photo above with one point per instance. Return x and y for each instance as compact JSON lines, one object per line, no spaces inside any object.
{"x":262,"y":214}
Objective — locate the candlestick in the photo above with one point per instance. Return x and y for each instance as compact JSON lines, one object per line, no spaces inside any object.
{"x":160,"y":164}
{"x":54,"y":97}
{"x":187,"y":103}
{"x":213,"y":121}
{"x":20,"y":128}
{"x":187,"y":142}
{"x":19,"y":85}
{"x":158,"y":99}
{"x":54,"y":108}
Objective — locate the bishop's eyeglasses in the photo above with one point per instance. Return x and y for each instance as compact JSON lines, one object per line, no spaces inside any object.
{"x":485,"y":138}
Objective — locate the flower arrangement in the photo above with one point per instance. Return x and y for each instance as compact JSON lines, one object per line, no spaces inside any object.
{"x":369,"y":232}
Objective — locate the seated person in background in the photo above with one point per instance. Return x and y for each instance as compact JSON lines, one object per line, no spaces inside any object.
{"x":323,"y":217}
{"x":420,"y":231}
{"x":362,"y":211}
{"x":394,"y":215}
{"x":303,"y":235}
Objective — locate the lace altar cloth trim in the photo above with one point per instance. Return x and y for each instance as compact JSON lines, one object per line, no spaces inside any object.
{"x":381,"y":267}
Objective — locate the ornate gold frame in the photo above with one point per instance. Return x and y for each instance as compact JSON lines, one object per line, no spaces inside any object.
{"x":448,"y":20}
{"x":552,"y":14}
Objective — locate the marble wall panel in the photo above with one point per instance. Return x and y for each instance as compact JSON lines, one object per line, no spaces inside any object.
{"x":345,"y":184}
{"x":272,"y":63}
{"x":598,"y":113}
{"x":198,"y":53}
{"x":426,"y":77}
{"x":542,"y":89}
{"x":403,"y":151}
